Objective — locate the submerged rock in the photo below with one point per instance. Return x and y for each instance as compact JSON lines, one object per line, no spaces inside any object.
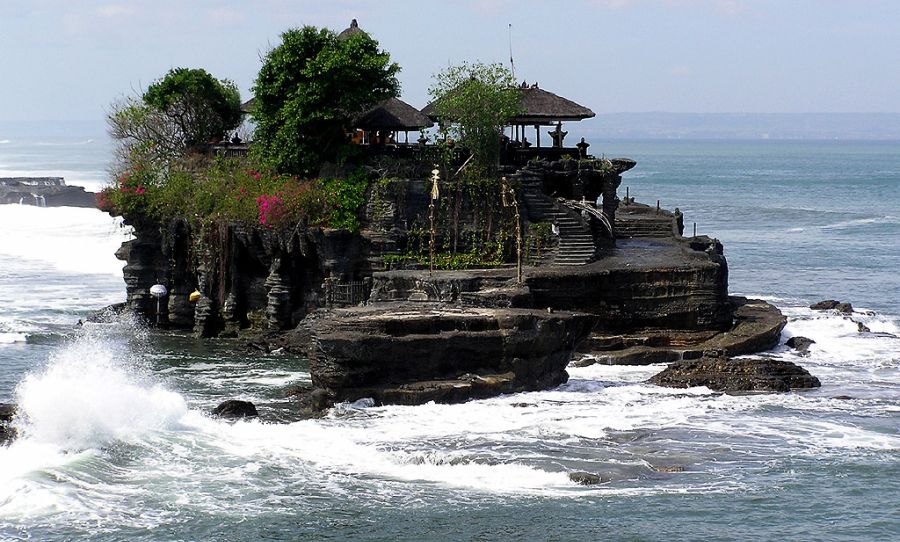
{"x":235,"y":408}
{"x":800,"y":344}
{"x":720,"y":373}
{"x":586,"y":478}
{"x":7,"y":431}
{"x":416,"y":353}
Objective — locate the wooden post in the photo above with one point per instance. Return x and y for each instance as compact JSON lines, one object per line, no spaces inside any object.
{"x":695,"y":229}
{"x":537,"y":130}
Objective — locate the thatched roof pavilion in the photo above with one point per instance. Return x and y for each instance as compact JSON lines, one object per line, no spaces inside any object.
{"x":539,"y":108}
{"x":393,"y":114}
{"x":544,"y":107}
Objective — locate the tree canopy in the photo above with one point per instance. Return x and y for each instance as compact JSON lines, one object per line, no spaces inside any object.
{"x":473,"y":102}
{"x":176,"y":115}
{"x":309,"y":89}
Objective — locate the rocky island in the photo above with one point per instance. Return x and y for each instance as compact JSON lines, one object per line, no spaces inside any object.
{"x":446,"y":269}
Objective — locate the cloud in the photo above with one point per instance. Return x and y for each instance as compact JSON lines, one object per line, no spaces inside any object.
{"x":614,"y":4}
{"x":729,"y":7}
{"x":491,"y":7}
{"x":114,"y":11}
{"x":680,"y":71}
{"x":226,"y":16}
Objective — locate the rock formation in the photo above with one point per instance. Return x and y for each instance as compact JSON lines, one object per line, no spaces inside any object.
{"x":718,"y":372}
{"x":622,"y":273}
{"x":235,"y":408}
{"x":44,"y":192}
{"x":7,"y":431}
{"x":411,"y":354}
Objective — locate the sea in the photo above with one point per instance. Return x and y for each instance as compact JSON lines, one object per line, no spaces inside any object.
{"x":117,"y":443}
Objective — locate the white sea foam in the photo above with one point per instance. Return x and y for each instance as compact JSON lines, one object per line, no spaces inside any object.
{"x":69,"y":239}
{"x":10,"y":338}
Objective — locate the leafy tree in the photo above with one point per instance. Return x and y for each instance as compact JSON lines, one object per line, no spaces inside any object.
{"x":308,"y":90}
{"x":201,"y":107}
{"x":474,"y":102}
{"x":176,"y":115}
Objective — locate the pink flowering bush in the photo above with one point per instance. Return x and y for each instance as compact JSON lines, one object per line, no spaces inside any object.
{"x":230,"y":190}
{"x":271,"y":210}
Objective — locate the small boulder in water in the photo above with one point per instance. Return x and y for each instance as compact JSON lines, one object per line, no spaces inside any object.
{"x":7,"y":431}
{"x":832,"y":304}
{"x":800,"y":344}
{"x":235,"y":408}
{"x":586,"y":478}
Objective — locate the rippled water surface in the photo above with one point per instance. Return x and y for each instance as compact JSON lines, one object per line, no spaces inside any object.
{"x":116,"y":444}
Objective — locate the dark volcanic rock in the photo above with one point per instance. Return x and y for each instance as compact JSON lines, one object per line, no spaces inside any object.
{"x":7,"y":431}
{"x":757,"y":327}
{"x":415,"y":353}
{"x":801,"y":344}
{"x":234,"y":408}
{"x":832,"y":304}
{"x":736,"y":375}
{"x":44,"y":192}
{"x":586,"y":478}
{"x":825,"y":305}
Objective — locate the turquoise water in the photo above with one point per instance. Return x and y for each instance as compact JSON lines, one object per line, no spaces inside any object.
{"x":117,"y":445}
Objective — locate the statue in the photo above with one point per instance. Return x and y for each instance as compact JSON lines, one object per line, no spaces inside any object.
{"x":558,"y":135}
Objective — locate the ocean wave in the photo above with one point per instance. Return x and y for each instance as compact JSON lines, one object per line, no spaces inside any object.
{"x":63,"y":143}
{"x":861,"y":222}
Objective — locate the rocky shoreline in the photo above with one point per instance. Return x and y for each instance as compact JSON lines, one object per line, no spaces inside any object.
{"x":44,"y":192}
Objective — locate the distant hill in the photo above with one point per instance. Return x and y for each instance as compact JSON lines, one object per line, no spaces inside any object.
{"x":859,"y":126}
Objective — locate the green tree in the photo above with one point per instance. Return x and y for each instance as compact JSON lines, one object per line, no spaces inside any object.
{"x":473,"y":102}
{"x":177,"y":115}
{"x":308,"y":90}
{"x":202,"y":107}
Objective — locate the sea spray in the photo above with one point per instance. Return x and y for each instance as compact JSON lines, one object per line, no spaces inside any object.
{"x":91,"y":393}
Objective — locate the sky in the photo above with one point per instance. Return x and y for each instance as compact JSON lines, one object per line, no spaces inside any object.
{"x":68,"y":60}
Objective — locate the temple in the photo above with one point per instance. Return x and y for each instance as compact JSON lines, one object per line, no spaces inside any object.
{"x":454,"y":290}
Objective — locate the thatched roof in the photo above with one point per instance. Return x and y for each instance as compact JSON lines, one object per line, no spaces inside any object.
{"x":352,"y":30}
{"x":393,"y":114}
{"x":247,"y":107}
{"x":539,"y":107}
{"x":543,"y":107}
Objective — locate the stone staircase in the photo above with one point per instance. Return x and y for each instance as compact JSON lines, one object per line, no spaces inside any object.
{"x":643,"y":224}
{"x":576,"y":243}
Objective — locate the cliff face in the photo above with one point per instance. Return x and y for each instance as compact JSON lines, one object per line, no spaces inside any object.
{"x":243,"y":274}
{"x":250,"y":275}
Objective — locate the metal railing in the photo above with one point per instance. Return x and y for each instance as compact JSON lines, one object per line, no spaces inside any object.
{"x":347,"y":294}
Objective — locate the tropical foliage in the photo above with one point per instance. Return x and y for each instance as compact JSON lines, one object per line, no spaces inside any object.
{"x":309,"y":89}
{"x":175,"y":117}
{"x":473,"y":102}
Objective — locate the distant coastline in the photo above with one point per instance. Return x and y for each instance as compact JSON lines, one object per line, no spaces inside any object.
{"x":744,"y":126}
{"x":623,"y":126}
